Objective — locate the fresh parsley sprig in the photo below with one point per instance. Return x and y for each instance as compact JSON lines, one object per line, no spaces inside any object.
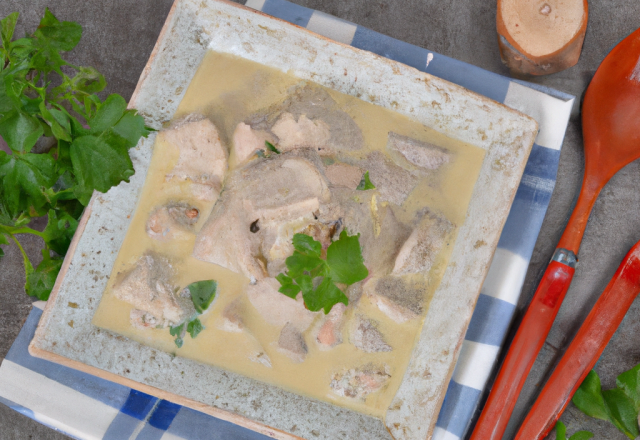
{"x":202,"y":295}
{"x":315,"y":277}
{"x":620,"y":405}
{"x":561,"y":433}
{"x":88,"y":140}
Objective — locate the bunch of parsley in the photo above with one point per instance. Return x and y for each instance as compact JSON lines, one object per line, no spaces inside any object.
{"x":315,"y":277}
{"x":44,"y":98}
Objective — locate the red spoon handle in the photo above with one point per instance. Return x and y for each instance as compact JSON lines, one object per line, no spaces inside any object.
{"x":525,"y":347}
{"x":585,"y":349}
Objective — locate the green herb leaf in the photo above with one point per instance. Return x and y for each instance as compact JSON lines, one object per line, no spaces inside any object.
{"x":178,"y":331}
{"x":365,"y":183}
{"x":561,"y":431}
{"x":23,"y":179}
{"x":194,"y":328}
{"x":108,"y":114}
{"x":40,"y":282}
{"x":7,"y":26}
{"x":202,"y":294}
{"x":306,"y":245}
{"x":271,"y":147}
{"x":325,"y":296}
{"x":99,"y":163}
{"x":59,"y":231}
{"x":629,"y":382}
{"x":588,"y":398}
{"x":20,"y":130}
{"x":345,"y":261}
{"x":288,"y":287}
{"x":622,"y":412}
{"x":581,"y":435}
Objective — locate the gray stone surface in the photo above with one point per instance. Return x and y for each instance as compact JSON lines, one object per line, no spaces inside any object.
{"x":119,"y":35}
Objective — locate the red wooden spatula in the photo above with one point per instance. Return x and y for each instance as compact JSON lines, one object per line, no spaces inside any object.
{"x":611,"y":129}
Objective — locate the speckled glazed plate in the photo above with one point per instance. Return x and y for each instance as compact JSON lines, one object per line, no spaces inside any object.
{"x":192,"y":28}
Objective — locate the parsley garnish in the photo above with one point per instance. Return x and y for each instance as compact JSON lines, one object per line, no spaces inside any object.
{"x":271,"y":147}
{"x":343,"y":264}
{"x":365,"y":183}
{"x":90,"y":140}
{"x":202,"y":295}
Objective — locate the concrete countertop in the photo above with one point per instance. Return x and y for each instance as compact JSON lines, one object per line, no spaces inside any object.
{"x":119,"y":36}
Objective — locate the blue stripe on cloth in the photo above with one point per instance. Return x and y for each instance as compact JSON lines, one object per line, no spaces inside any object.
{"x":288,"y":11}
{"x":190,"y":424}
{"x":150,"y":433}
{"x":523,"y":224}
{"x":490,"y":320}
{"x":102,"y":390}
{"x":481,"y":81}
{"x":121,"y":427}
{"x":457,"y":408}
{"x":138,"y":404}
{"x":164,"y":414}
{"x":388,"y":47}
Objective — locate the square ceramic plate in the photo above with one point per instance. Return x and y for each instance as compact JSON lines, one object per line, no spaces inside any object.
{"x":192,"y":28}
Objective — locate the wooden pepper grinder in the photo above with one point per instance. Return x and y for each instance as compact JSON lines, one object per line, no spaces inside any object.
{"x":539,"y":37}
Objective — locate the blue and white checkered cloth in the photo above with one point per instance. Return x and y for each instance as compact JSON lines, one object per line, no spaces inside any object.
{"x":86,"y":407}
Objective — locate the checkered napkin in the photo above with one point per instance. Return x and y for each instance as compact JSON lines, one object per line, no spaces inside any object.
{"x":86,"y":407}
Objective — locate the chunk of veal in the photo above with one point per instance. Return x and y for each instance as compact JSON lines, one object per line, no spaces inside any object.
{"x":397,"y":298}
{"x":393,"y":182}
{"x":278,"y":309}
{"x":357,"y":383}
{"x":233,"y":320}
{"x":302,"y":133}
{"x":173,"y":221}
{"x":345,"y":175}
{"x":291,"y":342}
{"x":366,"y":337}
{"x":264,"y":203}
{"x":420,"y":154}
{"x":147,"y":287}
{"x":329,"y":333}
{"x":247,"y":141}
{"x":141,"y":319}
{"x":421,"y":249}
{"x":202,"y":157}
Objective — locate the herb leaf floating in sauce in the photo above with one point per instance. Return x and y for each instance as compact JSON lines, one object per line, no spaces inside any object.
{"x":271,"y":147}
{"x":365,"y":183}
{"x":64,"y":141}
{"x":344,"y":264}
{"x":202,"y":295}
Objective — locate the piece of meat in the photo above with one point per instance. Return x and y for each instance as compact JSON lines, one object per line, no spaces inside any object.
{"x":148,"y":288}
{"x":247,"y":141}
{"x":342,"y":174}
{"x":397,"y":298}
{"x":291,"y":342}
{"x":173,"y":221}
{"x":330,"y":331}
{"x":315,"y":104}
{"x":232,"y":318}
{"x":202,"y":157}
{"x":366,"y":337}
{"x":420,"y":154}
{"x":263,"y":205}
{"x":393,"y":182}
{"x":143,"y":320}
{"x":421,"y":249}
{"x":277,"y":308}
{"x":302,"y":133}
{"x":357,"y":383}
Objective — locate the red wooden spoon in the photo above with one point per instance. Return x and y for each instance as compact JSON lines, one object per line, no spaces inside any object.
{"x":585,"y":349}
{"x":611,"y":130}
